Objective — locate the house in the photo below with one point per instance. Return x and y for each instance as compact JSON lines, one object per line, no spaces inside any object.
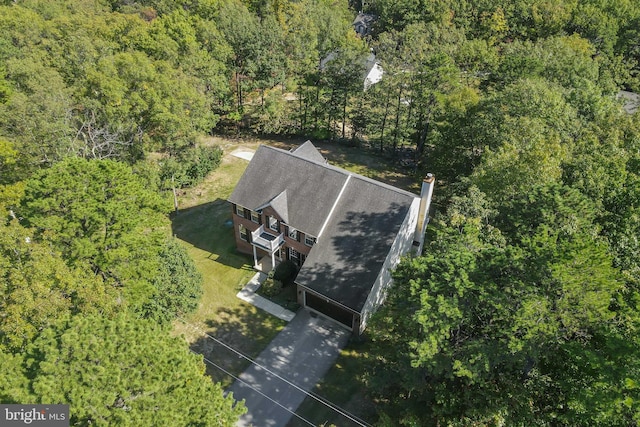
{"x":363,"y":24}
{"x":345,"y":231}
{"x":372,"y":70}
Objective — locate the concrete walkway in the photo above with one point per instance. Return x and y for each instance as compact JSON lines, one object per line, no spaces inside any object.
{"x":248,"y":294}
{"x":243,"y":153}
{"x":301,"y":353}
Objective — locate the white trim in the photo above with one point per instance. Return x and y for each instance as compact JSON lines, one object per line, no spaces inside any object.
{"x":310,"y":237}
{"x":333,"y":208}
{"x":246,"y":233}
{"x":292,"y":233}
{"x":275,"y":224}
{"x":257,"y":220}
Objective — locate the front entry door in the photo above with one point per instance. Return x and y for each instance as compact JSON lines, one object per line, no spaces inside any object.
{"x":294,"y":256}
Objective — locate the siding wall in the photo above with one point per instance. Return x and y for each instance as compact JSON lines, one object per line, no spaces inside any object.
{"x":401,"y":245}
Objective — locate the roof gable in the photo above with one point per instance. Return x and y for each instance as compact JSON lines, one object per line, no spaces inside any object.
{"x":310,"y":152}
{"x":311,"y":188}
{"x":280,"y":205}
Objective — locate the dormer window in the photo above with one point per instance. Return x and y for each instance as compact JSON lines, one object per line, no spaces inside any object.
{"x":293,"y":233}
{"x":273,"y":223}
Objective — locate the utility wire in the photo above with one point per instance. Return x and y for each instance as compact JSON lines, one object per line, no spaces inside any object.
{"x":313,"y":395}
{"x":254,"y":389}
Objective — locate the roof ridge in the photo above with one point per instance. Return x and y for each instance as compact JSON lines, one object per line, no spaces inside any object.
{"x":335,"y":204}
{"x":344,"y":171}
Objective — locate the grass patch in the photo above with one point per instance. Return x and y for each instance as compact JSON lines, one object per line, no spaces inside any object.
{"x":202,"y":226}
{"x":343,"y":385}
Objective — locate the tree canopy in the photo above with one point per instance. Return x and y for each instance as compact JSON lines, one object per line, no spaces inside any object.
{"x":523,"y":309}
{"x":89,"y":282}
{"x":119,"y":371}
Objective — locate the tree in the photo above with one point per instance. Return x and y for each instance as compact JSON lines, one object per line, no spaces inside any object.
{"x":420,"y":74}
{"x":98,"y":213}
{"x":8,"y":160}
{"x":501,"y":328}
{"x":341,"y":78}
{"x":147,"y":101}
{"x":37,"y":289}
{"x":37,"y":115}
{"x":123,"y":371}
{"x":483,"y":134}
{"x":533,"y":155}
{"x":241,"y":30}
{"x":178,"y":285}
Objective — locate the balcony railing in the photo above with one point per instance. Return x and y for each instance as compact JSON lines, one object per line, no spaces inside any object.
{"x":266,"y":241}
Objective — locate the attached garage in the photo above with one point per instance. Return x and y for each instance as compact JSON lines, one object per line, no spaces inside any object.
{"x":324,"y":306}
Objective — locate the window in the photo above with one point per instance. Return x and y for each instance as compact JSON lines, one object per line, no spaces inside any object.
{"x":293,"y":254}
{"x":255,"y":217}
{"x":240,"y":211}
{"x":273,"y":223}
{"x":293,"y":233}
{"x":243,"y":233}
{"x":309,"y":240}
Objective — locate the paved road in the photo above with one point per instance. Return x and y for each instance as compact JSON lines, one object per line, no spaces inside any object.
{"x":302,"y":353}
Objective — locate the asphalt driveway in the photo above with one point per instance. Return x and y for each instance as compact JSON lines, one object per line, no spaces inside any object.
{"x":301,"y":353}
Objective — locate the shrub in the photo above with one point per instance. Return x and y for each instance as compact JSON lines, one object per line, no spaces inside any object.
{"x":200,"y":161}
{"x":286,"y":272}
{"x":190,"y":167}
{"x":270,"y":287}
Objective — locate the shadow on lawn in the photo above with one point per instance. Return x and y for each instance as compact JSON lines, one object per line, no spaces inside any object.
{"x":214,"y":233}
{"x":244,"y":329}
{"x":345,"y":386}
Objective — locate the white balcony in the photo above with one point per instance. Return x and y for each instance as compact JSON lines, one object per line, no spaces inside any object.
{"x":266,"y":241}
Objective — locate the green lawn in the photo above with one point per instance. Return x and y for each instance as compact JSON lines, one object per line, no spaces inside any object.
{"x":343,"y":385}
{"x":202,"y":225}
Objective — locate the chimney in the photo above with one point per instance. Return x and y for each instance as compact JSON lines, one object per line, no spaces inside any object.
{"x":423,"y":214}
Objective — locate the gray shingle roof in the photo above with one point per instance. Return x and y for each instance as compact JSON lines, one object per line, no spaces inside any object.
{"x":358,"y":233}
{"x":280,"y":204}
{"x":311,"y":186}
{"x":310,"y":152}
{"x":345,"y":262}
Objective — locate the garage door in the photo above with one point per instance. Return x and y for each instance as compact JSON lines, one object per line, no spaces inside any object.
{"x":329,"y":309}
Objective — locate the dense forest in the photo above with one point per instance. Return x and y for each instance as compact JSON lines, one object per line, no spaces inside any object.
{"x":524,"y":308}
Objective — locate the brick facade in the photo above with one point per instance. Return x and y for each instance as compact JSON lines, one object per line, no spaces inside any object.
{"x":243,"y":246}
{"x":246,"y":247}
